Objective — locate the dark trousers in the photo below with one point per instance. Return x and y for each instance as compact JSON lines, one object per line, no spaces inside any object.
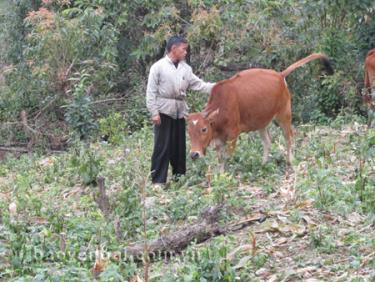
{"x":169,"y":147}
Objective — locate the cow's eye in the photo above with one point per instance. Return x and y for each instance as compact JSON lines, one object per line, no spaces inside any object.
{"x":204,"y":129}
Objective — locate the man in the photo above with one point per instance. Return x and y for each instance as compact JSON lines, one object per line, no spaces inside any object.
{"x":168,"y":81}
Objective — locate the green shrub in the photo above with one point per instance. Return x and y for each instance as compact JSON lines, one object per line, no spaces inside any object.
{"x":221,"y":184}
{"x":87,"y":164}
{"x":79,"y":114}
{"x":323,"y":239}
{"x":113,"y":127}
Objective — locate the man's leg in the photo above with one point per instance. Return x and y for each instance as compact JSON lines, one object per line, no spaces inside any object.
{"x":162,"y":147}
{"x":178,"y":144}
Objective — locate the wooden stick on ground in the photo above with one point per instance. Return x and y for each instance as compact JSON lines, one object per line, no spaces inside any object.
{"x":175,"y":242}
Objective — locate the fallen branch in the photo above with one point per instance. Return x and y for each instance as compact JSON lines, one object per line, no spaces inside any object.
{"x":10,"y":123}
{"x":244,"y":222}
{"x":107,"y":100}
{"x":171,"y":244}
{"x":13,"y":149}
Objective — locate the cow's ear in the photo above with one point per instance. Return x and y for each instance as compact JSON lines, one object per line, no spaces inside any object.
{"x":212,"y":116}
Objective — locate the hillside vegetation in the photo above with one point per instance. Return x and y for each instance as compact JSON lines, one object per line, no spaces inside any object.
{"x":317,"y":220}
{"x":76,"y":143}
{"x":71,"y":65}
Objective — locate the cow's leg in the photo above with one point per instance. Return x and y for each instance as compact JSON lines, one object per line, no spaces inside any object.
{"x":230,"y":146}
{"x":284,"y":119}
{"x":266,"y":141}
{"x":227,"y":150}
{"x":220,"y":150}
{"x":224,"y":150}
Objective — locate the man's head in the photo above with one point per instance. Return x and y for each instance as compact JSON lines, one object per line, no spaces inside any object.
{"x":177,"y":48}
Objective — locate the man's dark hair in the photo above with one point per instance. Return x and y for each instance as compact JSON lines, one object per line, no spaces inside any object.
{"x":175,"y":40}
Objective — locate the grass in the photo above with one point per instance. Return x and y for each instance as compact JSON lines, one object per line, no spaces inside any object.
{"x":4,"y":4}
{"x":320,"y":216}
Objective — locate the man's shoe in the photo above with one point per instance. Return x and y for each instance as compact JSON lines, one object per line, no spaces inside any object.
{"x":158,"y":186}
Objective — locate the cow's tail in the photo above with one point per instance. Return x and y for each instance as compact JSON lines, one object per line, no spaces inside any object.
{"x":323,"y":58}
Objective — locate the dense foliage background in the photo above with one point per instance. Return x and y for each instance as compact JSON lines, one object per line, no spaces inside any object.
{"x":73,"y":77}
{"x":73,"y":65}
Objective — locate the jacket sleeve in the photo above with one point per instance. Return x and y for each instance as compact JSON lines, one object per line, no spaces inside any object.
{"x":152,"y":90}
{"x":197,"y":84}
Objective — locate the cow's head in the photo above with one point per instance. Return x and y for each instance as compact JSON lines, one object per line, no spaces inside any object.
{"x":200,"y":132}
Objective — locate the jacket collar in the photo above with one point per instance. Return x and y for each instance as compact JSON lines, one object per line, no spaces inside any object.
{"x":170,"y":60}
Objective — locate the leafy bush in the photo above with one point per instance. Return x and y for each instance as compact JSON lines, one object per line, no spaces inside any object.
{"x":364,"y":184}
{"x":113,"y":128}
{"x":135,"y":111}
{"x":79,"y":114}
{"x":59,"y":42}
{"x":127,"y":204}
{"x":87,"y":164}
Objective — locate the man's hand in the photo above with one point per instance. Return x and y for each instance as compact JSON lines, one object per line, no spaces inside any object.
{"x":156,"y":119}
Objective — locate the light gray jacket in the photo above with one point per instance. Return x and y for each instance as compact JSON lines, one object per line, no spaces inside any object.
{"x":167,"y":86}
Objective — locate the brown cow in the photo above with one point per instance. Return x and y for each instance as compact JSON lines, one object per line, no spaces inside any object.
{"x":368,"y":97}
{"x":245,"y":102}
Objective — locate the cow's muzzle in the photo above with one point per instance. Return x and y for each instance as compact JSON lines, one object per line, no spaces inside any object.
{"x":195,"y":155}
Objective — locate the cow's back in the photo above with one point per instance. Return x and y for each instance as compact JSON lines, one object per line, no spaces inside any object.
{"x":251,"y":99}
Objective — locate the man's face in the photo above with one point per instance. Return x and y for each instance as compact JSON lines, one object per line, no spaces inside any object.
{"x":179,"y":51}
